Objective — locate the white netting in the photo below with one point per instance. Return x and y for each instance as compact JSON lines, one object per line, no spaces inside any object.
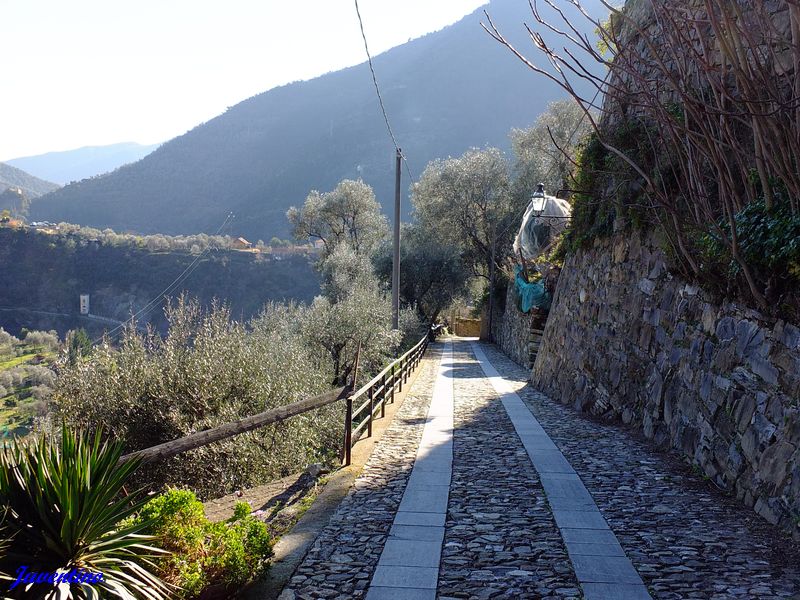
{"x":539,"y":229}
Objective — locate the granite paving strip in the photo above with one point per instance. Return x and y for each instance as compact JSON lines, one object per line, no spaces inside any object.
{"x":596,"y":555}
{"x":501,"y":540}
{"x":342,"y":560}
{"x":685,"y":538}
{"x":409,"y":565}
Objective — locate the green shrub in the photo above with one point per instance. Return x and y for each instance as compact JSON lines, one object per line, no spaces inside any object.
{"x":203,"y":553}
{"x":209,"y":370}
{"x":63,"y":506}
{"x":769,"y":241}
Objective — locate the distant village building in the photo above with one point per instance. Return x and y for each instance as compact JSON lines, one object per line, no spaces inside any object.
{"x":241,"y":244}
{"x":84,"y":304}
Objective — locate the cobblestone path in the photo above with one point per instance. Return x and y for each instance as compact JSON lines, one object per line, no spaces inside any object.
{"x":342,"y":560}
{"x":501,"y":540}
{"x":685,"y":538}
{"x":505,"y":528}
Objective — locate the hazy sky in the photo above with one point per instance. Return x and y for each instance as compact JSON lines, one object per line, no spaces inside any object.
{"x":91,"y":72}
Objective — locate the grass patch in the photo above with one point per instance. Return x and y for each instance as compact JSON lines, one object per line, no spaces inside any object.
{"x":16,"y":361}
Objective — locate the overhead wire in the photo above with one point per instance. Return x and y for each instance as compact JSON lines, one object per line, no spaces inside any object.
{"x":150,"y":306}
{"x":380,"y":96}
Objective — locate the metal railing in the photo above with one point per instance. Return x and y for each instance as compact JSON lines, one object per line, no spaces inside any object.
{"x":380,"y":388}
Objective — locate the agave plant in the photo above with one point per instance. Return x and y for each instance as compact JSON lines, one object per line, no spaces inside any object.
{"x":66,"y":511}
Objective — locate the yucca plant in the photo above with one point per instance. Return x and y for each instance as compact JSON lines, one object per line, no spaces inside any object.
{"x":64,"y":507}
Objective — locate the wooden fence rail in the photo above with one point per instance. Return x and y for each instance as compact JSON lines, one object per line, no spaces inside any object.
{"x":203,"y":438}
{"x":377,"y":391}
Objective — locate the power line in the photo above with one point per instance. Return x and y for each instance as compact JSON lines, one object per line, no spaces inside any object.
{"x":374,"y":78}
{"x":378,"y":93}
{"x":147,"y":308}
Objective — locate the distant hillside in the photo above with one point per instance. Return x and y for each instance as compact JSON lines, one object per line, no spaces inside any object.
{"x":43,"y":276}
{"x":74,"y":165}
{"x":32,"y":187}
{"x":445,"y":92}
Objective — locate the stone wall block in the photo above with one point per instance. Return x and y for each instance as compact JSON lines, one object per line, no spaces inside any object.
{"x":716,"y":381}
{"x":788,"y":372}
{"x":772,"y":468}
{"x":790,"y":427}
{"x":748,"y":337}
{"x":764,"y":369}
{"x":724,"y":427}
{"x":769,"y":509}
{"x":709,"y":319}
{"x":790,"y":337}
{"x":726,"y":329}
{"x":744,"y":409}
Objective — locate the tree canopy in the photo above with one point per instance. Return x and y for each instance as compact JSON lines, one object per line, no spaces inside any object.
{"x":348,"y":214}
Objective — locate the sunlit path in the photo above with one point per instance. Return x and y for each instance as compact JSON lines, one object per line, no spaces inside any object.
{"x":485,"y":488}
{"x":409,"y":564}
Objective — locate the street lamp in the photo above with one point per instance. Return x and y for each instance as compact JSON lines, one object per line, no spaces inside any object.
{"x":538,"y":200}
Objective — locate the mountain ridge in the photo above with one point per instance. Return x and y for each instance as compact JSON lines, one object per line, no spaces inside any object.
{"x":18,"y":188}
{"x":81,"y":163}
{"x":444,"y":92}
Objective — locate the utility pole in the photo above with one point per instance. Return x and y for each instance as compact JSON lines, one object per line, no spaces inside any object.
{"x":396,"y":260}
{"x":490,"y":335}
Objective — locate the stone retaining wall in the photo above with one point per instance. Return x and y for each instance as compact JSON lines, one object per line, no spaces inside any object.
{"x":720,"y":383}
{"x":512,"y":330}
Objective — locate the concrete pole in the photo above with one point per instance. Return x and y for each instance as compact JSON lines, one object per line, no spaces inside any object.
{"x":489,"y":334}
{"x":396,"y":259}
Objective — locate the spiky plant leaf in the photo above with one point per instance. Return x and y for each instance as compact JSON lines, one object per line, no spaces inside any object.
{"x":64,"y":506}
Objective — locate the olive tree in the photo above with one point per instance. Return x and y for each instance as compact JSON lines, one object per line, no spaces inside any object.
{"x":7,"y":339}
{"x":434,"y":276}
{"x":353,"y":311}
{"x":42,"y":340}
{"x":467,"y":202}
{"x":207,"y":371}
{"x":349,"y":214}
{"x":543,"y":153}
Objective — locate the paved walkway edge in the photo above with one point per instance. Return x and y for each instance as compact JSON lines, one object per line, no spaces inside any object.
{"x":292,"y":547}
{"x":599,"y":562}
{"x":409,"y":564}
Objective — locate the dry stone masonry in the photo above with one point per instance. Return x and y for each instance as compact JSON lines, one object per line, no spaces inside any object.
{"x":718,"y":382}
{"x":684,"y":538}
{"x":517,"y":333}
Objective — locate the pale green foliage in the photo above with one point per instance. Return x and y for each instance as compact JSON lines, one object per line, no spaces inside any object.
{"x":538,"y":158}
{"x":6,"y":339}
{"x":466,"y":202}
{"x":349,"y":214}
{"x":38,"y":375}
{"x":42,"y":340}
{"x":343,"y":270}
{"x":208,"y":371}
{"x":433,"y":274}
{"x":195,"y":244}
{"x":353,"y":310}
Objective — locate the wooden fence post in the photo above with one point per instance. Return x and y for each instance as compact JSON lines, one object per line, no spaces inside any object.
{"x":371,"y":395}
{"x":394,"y":382}
{"x":383,"y":396}
{"x":348,"y":431}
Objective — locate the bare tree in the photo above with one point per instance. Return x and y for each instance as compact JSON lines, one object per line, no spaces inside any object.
{"x":711,"y":89}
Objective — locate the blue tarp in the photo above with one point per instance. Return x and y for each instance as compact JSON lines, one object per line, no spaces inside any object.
{"x":531,"y":295}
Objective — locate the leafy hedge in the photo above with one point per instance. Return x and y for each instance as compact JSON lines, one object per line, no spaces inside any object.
{"x":205,"y":555}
